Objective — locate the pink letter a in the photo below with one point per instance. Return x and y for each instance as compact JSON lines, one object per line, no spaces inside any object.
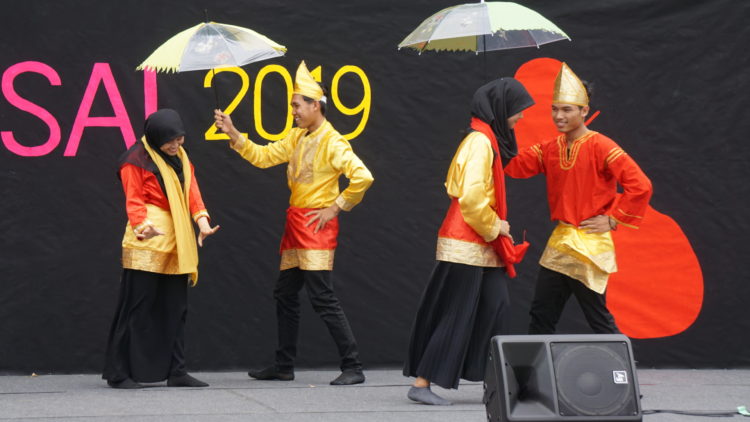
{"x":100,"y":73}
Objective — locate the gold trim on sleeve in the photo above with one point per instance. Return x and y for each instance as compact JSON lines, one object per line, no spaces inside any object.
{"x":624,"y":224}
{"x":495,"y":231}
{"x":539,"y":155}
{"x":199,"y":214}
{"x":613,"y":155}
{"x":239,"y":145}
{"x":343,"y":203}
{"x":628,"y":215}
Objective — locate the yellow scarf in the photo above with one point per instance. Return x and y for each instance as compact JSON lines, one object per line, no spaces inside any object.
{"x":187,"y":250}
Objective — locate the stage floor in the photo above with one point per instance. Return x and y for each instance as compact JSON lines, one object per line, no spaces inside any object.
{"x":233,"y":396}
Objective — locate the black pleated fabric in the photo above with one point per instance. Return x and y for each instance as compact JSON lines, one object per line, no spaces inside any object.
{"x":462,"y":308}
{"x":147,"y":337}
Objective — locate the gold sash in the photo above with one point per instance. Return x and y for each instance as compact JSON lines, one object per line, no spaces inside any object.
{"x":176,"y":251}
{"x":586,"y":257}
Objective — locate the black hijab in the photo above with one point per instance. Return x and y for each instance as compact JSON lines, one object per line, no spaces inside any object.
{"x":494,"y":103}
{"x":160,"y":127}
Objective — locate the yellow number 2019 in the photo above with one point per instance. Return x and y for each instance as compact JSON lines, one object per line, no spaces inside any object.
{"x":363,"y":107}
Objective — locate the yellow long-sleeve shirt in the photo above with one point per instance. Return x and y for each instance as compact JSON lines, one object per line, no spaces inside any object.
{"x":316,"y":161}
{"x":469,"y":180}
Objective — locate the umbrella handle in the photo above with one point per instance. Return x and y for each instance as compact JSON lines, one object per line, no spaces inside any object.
{"x":213,"y":71}
{"x":216,"y":90}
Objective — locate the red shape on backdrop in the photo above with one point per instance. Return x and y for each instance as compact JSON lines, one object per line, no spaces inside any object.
{"x":658,"y":290}
{"x":538,"y":76}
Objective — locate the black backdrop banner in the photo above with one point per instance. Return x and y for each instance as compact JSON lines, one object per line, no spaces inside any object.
{"x":671,"y":88}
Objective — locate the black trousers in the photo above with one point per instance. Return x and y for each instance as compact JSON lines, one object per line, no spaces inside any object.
{"x":462,"y":308}
{"x":319,"y":289}
{"x":553,"y":290}
{"x":147,"y":338}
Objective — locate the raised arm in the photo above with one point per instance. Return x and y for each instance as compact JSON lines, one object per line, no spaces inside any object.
{"x":526,"y":164}
{"x":262,"y":156}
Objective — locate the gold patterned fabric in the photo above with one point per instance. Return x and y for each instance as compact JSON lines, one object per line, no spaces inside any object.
{"x":465,"y":252}
{"x":307,"y":259}
{"x":316,"y":161}
{"x":151,"y":261}
{"x":156,"y":255}
{"x":586,"y":257}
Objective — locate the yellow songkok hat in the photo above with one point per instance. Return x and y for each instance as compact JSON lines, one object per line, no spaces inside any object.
{"x":569,"y":89}
{"x":305,"y":84}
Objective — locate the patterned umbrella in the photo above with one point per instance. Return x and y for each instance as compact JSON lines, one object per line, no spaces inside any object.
{"x":211,"y":45}
{"x":482,"y":27}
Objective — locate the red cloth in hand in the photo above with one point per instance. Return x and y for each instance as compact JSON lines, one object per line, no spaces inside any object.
{"x":510,"y":254}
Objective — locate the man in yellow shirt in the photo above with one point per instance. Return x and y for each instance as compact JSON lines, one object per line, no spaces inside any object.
{"x":317,"y":155}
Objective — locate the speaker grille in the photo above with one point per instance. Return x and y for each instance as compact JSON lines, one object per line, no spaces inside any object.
{"x":593,"y":379}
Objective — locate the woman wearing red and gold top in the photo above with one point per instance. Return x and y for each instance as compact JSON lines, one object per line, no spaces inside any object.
{"x":582,"y":169}
{"x":159,"y":258}
{"x":466,"y":300}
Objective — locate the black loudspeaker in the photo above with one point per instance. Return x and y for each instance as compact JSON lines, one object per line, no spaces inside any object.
{"x":572,"y":378}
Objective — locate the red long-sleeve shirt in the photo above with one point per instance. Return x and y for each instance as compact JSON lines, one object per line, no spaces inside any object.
{"x":583,"y":183}
{"x":141,"y":187}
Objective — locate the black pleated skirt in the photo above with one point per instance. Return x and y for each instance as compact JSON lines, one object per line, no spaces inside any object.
{"x":462,"y":308}
{"x":146,"y":340}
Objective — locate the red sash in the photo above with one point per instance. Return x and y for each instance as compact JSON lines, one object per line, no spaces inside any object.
{"x":297,"y":236}
{"x":508,"y":252}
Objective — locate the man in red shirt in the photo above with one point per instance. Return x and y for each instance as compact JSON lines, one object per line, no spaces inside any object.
{"x":582,"y":168}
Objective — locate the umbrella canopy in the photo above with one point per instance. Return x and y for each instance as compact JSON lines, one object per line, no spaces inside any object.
{"x":482,"y":27}
{"x":211,"y":45}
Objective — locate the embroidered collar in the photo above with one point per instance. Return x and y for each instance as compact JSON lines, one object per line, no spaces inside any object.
{"x":568,"y":160}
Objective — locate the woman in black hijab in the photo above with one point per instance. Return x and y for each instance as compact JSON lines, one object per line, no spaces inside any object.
{"x":159,"y":258}
{"x":466,"y":300}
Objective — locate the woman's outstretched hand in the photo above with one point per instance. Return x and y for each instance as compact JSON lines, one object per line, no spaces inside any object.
{"x":205,"y":230}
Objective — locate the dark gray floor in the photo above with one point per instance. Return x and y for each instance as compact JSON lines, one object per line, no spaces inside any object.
{"x":235,"y":397}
